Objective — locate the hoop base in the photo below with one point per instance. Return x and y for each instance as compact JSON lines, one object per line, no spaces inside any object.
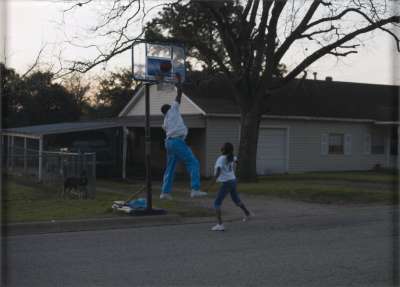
{"x":152,"y":211}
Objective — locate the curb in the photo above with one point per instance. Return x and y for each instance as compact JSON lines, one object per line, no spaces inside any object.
{"x":55,"y":226}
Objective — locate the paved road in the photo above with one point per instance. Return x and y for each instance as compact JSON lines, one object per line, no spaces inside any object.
{"x":301,"y":245}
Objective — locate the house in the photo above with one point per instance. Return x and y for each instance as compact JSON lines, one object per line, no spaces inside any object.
{"x":311,"y":125}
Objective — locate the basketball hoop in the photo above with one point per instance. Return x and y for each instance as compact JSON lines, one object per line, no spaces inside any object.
{"x":158,"y":62}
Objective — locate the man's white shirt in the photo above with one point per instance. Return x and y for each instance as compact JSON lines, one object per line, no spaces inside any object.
{"x":173,"y":122}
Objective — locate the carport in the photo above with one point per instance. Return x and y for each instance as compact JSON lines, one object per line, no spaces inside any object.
{"x":39,"y":135}
{"x":125,"y":126}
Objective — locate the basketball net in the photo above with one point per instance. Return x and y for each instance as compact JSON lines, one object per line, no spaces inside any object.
{"x":159,"y":77}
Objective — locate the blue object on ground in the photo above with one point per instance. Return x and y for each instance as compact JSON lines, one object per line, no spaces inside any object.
{"x":137,"y":203}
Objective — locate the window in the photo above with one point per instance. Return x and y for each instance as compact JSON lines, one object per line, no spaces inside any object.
{"x":336,"y":143}
{"x":377,"y":143}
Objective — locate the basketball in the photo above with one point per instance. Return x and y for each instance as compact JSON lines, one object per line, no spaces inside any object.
{"x":165,"y":67}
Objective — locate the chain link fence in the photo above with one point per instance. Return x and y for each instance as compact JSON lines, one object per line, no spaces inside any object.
{"x":52,"y":167}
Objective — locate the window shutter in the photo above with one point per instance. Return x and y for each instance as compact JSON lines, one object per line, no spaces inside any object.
{"x":347,"y":144}
{"x":367,"y":144}
{"x":324,"y":144}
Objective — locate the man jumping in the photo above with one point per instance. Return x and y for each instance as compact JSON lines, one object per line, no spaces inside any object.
{"x":177,"y":150}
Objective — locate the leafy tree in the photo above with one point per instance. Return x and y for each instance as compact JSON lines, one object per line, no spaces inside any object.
{"x":13,"y":97}
{"x":247,"y":42}
{"x":48,"y":102}
{"x":35,"y":99}
{"x":114,"y":92}
{"x":79,"y":90}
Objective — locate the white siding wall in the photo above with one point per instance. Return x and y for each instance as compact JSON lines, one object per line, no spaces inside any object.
{"x":305,"y":147}
{"x":219,"y":131}
{"x":160,"y":97}
{"x":304,"y":144}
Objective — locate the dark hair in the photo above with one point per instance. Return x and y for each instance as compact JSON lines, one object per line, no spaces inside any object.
{"x":165,"y":108}
{"x":227,"y":149}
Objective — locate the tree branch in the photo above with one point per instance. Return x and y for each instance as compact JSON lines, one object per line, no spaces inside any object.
{"x":36,"y":63}
{"x":342,"y":54}
{"x":271,"y":39}
{"x":83,"y":67}
{"x":395,"y":37}
{"x":327,"y":49}
{"x":297,"y":32}
{"x":227,"y":35}
{"x":260,"y":42}
{"x":119,"y":13}
{"x":247,"y":10}
{"x":129,"y":11}
{"x":310,"y":35}
{"x":79,"y":4}
{"x":253,"y":15}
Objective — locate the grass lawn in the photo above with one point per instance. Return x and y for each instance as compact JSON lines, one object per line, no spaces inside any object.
{"x":36,"y":203}
{"x":33,"y":202}
{"x":386,"y":177}
{"x":26,"y":202}
{"x":328,"y":187}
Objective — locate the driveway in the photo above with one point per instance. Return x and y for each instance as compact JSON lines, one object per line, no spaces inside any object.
{"x":287,"y":244}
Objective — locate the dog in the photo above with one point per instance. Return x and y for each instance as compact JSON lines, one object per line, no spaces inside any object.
{"x":76,"y":185}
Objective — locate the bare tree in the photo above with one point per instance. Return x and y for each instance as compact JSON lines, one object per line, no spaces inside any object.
{"x":248,"y":41}
{"x":35,"y":64}
{"x":120,"y":23}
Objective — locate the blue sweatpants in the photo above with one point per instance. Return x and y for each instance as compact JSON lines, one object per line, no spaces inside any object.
{"x":177,"y":150}
{"x":227,"y":187}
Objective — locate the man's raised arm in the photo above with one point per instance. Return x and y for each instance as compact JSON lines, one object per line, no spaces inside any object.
{"x":179,"y":89}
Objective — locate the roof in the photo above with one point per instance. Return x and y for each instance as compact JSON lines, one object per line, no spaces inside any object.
{"x":60,"y":128}
{"x":308,"y":98}
{"x":302,"y":98}
{"x":39,"y":130}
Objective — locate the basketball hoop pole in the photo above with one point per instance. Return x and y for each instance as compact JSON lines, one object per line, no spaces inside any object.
{"x":148,"y":148}
{"x":149,"y":210}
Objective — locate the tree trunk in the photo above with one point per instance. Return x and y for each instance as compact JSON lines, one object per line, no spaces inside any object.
{"x":250,"y":123}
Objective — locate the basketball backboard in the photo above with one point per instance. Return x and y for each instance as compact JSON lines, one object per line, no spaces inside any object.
{"x":155,"y":62}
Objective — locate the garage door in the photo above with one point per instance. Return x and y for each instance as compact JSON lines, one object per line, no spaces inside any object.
{"x":271,"y":151}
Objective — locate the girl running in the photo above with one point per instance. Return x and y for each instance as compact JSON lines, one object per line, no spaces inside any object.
{"x":225,"y":174}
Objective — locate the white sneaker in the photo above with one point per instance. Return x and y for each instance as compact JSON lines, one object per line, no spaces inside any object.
{"x":218,"y":227}
{"x":165,"y":195}
{"x":248,"y":217}
{"x":197,"y":193}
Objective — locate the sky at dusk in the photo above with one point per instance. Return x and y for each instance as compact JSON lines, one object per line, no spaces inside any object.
{"x":31,"y":25}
